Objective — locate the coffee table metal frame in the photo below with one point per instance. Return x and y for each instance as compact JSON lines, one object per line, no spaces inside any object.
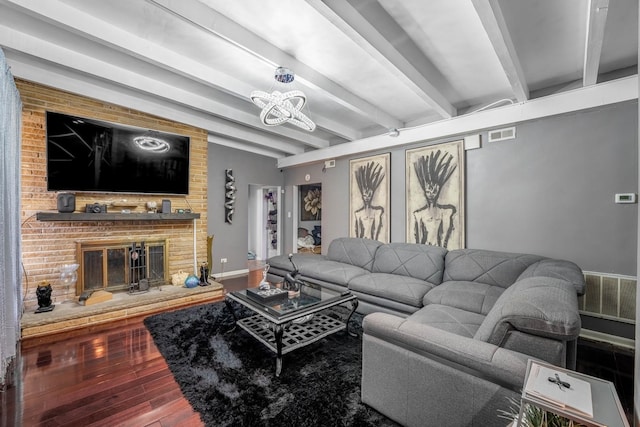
{"x":280,"y":333}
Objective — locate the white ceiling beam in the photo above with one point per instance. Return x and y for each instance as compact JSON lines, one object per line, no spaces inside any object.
{"x":242,"y":146}
{"x":596,"y":22}
{"x":495,"y":26}
{"x":209,"y":20}
{"x":65,"y":58}
{"x":104,"y":33}
{"x":27,"y":68}
{"x":353,"y":24}
{"x":93,"y":28}
{"x":612,"y":92}
{"x":56,"y":54}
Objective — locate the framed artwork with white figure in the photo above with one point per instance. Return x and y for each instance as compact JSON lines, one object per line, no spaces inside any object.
{"x":369,"y":197}
{"x":435,"y":177}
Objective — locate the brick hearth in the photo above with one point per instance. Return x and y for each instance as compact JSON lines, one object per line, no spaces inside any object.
{"x":71,"y":315}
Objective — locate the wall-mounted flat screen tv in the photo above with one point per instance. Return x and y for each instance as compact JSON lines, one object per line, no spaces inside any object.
{"x":94,"y":156}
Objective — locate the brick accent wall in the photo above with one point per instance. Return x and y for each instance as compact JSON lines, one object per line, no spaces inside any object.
{"x":48,"y":245}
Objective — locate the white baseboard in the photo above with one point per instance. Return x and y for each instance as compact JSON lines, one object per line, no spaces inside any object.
{"x":611,"y":339}
{"x":222,"y":275}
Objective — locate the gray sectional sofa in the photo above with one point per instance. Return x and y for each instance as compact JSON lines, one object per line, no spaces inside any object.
{"x":447,"y":334}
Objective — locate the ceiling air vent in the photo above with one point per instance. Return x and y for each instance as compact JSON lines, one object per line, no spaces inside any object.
{"x":502,"y":134}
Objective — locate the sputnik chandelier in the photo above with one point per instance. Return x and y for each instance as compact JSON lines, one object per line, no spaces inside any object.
{"x":278,"y":107}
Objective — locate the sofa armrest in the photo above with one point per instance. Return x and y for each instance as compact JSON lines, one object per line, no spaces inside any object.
{"x":541,"y":306}
{"x":558,"y":269}
{"x":487,"y":360}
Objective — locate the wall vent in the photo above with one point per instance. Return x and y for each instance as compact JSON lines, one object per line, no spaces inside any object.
{"x":611,"y":297}
{"x":502,"y":134}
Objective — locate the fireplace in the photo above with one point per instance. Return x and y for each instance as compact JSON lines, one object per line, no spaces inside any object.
{"x":121,"y":265}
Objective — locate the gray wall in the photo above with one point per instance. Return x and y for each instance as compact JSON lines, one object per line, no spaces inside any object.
{"x":549,"y":192}
{"x":230,"y":240}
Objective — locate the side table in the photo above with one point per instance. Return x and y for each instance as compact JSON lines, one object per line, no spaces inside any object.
{"x":607,"y":410}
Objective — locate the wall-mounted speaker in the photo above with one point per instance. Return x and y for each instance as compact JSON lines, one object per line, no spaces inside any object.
{"x":166,"y":206}
{"x":66,"y":202}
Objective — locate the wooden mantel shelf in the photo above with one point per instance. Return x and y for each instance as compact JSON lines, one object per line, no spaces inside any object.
{"x":57,"y":216}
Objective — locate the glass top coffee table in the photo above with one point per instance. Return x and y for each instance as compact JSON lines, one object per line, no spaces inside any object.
{"x":284,"y":323}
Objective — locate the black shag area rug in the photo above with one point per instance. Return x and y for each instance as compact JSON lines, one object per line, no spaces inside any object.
{"x":229,"y":377}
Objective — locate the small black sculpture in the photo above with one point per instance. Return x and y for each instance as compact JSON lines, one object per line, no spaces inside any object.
{"x":43,"y":293}
{"x":204,"y":274}
{"x":291,"y":280}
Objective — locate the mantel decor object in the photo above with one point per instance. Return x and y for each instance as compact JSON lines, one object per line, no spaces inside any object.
{"x":43,"y":293}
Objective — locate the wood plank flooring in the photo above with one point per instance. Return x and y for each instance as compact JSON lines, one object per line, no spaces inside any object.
{"x":110,"y":375}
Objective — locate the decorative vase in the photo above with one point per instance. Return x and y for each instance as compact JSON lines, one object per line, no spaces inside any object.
{"x":191,"y":281}
{"x":68,"y":273}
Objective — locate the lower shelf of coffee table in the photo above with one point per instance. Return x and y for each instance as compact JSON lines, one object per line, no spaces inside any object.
{"x":295,"y":335}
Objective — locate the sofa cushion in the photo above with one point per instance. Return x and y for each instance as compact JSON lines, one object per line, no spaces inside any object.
{"x":559,"y":269}
{"x":450,"y":319}
{"x":332,"y":271}
{"x":423,"y":262}
{"x":354,"y":251}
{"x":470,"y":296}
{"x":282,"y":263}
{"x":407,"y":290}
{"x":541,"y":306}
{"x":490,"y":267}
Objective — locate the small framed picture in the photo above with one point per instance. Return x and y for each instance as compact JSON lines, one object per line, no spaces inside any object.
{"x":310,"y":202}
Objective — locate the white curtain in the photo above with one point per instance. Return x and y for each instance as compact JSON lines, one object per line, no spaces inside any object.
{"x":10,"y":277}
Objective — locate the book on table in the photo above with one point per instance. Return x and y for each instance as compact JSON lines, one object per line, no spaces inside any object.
{"x":560,"y":389}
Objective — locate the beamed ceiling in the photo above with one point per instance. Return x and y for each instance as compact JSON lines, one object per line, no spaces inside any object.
{"x":366,"y":66}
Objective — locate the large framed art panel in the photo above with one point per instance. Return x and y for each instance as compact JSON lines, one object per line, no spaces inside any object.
{"x":435,"y":195}
{"x":369,"y":197}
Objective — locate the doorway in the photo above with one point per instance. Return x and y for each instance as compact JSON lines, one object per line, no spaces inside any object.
{"x":308,"y":218}
{"x":265,"y":228}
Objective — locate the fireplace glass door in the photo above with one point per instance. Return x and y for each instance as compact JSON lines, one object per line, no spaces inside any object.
{"x":108,"y":266}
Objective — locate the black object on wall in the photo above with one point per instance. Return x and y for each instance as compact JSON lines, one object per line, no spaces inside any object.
{"x":229,"y":195}
{"x":91,"y":155}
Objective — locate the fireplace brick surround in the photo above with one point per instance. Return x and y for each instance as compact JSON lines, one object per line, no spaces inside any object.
{"x":47,"y":245}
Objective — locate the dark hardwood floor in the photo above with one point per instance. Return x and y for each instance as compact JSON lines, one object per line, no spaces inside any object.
{"x":113,"y":375}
